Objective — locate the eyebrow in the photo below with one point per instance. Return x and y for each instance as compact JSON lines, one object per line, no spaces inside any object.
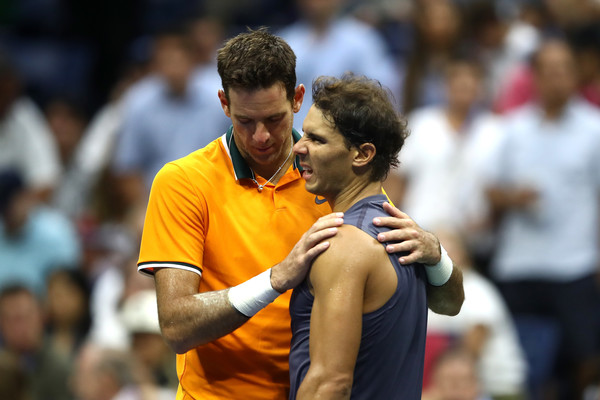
{"x":277,"y":115}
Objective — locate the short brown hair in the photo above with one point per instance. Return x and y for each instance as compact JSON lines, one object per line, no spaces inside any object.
{"x":363,"y":112}
{"x":257,"y":59}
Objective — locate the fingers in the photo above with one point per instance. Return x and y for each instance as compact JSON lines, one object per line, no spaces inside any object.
{"x":315,"y":251}
{"x":415,"y":250}
{"x":324,"y":228}
{"x":329,"y":221}
{"x":399,"y":235}
{"x":393,"y":211}
{"x":408,"y":252}
{"x":397,"y":218}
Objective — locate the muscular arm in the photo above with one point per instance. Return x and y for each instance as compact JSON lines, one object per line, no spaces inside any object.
{"x":189,"y":319}
{"x":420,"y":246}
{"x":338,"y":279}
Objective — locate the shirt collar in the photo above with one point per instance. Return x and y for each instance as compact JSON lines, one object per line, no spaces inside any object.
{"x":240,"y":167}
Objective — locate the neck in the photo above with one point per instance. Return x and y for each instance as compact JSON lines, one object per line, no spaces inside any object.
{"x":554,"y":110}
{"x":457,"y":117}
{"x":352,"y":194}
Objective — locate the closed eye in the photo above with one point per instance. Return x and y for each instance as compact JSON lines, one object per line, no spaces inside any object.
{"x":314,"y":138}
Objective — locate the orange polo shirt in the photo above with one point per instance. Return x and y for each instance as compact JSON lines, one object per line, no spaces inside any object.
{"x":206,"y":215}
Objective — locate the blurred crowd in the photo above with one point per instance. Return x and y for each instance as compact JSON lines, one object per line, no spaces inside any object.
{"x":502,"y":100}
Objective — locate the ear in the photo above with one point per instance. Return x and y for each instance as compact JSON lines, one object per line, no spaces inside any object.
{"x":298,"y":97}
{"x":364,"y":154}
{"x":224,"y":103}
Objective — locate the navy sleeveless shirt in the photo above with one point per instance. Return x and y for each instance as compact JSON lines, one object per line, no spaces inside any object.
{"x":392,"y":349}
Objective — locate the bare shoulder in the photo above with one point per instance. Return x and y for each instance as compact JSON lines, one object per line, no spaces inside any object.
{"x":351,"y":250}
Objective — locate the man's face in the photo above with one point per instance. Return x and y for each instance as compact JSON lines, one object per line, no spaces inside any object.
{"x":463,"y":86}
{"x":324,"y":156}
{"x":262,"y":123}
{"x":21,"y":322}
{"x":556,"y":74}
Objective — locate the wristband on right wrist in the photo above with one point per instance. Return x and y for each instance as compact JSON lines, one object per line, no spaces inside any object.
{"x":438,"y":274}
{"x":253,"y":295}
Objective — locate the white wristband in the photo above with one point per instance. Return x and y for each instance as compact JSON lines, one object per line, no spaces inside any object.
{"x":253,"y":295}
{"x":439,"y":274}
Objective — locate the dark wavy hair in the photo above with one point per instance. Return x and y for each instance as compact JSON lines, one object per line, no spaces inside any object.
{"x":257,"y":59}
{"x":363,"y":112}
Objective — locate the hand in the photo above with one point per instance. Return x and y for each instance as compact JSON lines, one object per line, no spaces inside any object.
{"x":407,"y":237}
{"x":292,"y":270}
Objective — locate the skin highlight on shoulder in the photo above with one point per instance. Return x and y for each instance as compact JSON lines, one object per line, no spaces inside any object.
{"x":354,"y":255}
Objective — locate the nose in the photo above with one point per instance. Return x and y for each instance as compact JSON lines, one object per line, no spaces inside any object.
{"x":299,"y":147}
{"x":261,"y":134}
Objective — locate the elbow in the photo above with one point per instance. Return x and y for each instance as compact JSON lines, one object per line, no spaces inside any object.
{"x":450,"y":307}
{"x":174,"y":340}
{"x":446,"y":304}
{"x":338,"y":386}
{"x":454,"y":308}
{"x":334,"y":388}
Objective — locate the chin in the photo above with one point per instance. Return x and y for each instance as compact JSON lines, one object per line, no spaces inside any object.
{"x":310,"y":189}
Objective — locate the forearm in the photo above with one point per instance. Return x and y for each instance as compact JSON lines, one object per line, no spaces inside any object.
{"x":194,"y":320}
{"x":448,"y":298}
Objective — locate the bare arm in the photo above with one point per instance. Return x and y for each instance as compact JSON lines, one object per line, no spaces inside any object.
{"x":420,"y":246}
{"x":338,"y":280}
{"x":503,"y":198}
{"x":189,"y":319}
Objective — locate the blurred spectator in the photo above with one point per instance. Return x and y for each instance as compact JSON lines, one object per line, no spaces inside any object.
{"x":436,"y":39}
{"x":454,"y":378}
{"x":570,"y":14}
{"x":67,"y":123}
{"x":438,"y":182}
{"x":13,"y":378}
{"x":176,"y":113}
{"x":328,"y":43}
{"x":139,"y":314}
{"x":67,"y":311}
{"x":34,"y":239}
{"x":501,"y":42}
{"x":206,"y":34}
{"x":26,"y":143}
{"x":484,"y":328}
{"x":22,"y":333}
{"x":112,"y":251}
{"x":89,"y":185}
{"x":586,"y":44}
{"x":105,"y":374}
{"x":544,"y":185}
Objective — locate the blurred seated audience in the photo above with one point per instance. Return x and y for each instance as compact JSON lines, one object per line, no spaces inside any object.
{"x":111,"y":254}
{"x":22,"y":335}
{"x":34,"y":239}
{"x":108,"y":374}
{"x":483,"y":328}
{"x":26,"y":143}
{"x":329,"y":41}
{"x":542,"y":186}
{"x":139,"y":314}
{"x":13,"y":377}
{"x":439,"y":180}
{"x":501,"y":42}
{"x":67,"y":311}
{"x":454,"y":377}
{"x":437,"y":37}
